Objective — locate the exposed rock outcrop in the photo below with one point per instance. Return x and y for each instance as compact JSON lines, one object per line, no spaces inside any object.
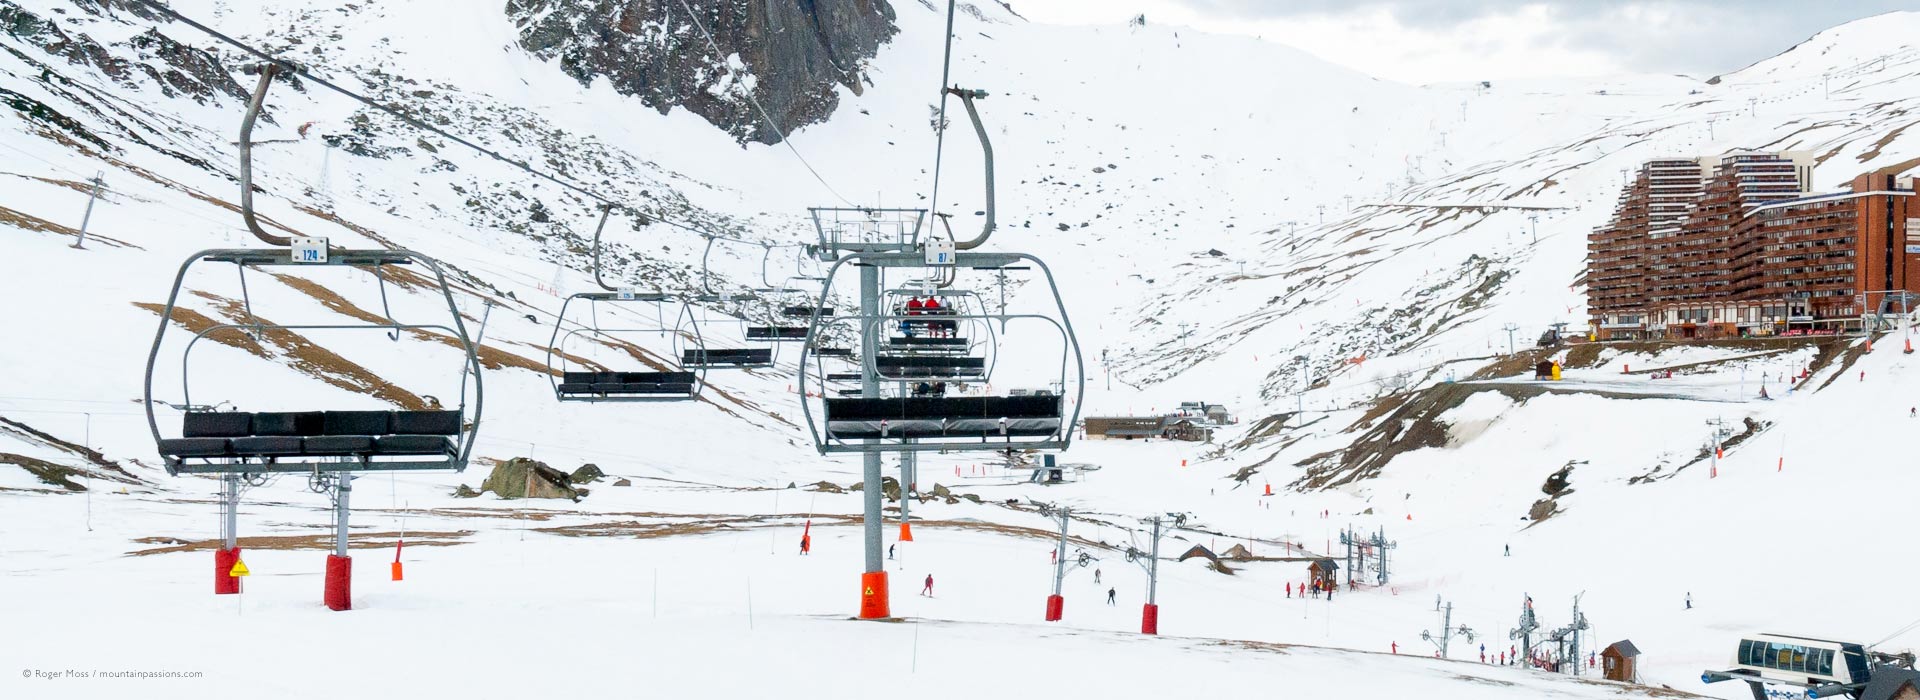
{"x":790,"y":55}
{"x":521,"y":477}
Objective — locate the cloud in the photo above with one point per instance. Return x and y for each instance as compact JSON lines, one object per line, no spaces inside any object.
{"x":1669,"y":36}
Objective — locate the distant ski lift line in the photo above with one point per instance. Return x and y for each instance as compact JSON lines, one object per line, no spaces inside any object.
{"x":301,"y":70}
{"x":721,"y":56}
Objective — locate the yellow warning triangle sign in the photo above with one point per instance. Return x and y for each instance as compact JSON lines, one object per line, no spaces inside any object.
{"x":239,"y":569}
{"x":869,"y":590}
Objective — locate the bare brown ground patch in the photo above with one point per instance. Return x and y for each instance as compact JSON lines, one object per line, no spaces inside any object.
{"x":323,"y":541}
{"x":30,"y":222}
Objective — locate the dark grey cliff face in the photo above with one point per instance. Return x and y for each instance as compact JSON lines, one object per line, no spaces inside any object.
{"x":792,"y":53}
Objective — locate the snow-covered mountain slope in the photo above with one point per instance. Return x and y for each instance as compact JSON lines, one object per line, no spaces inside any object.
{"x":1175,"y":181}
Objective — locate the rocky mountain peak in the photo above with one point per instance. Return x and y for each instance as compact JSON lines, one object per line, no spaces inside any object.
{"x":790,"y":55}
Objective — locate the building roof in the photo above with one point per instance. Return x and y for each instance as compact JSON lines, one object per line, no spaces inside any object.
{"x":1199,"y":551}
{"x":1821,"y":198}
{"x":1124,"y":425}
{"x":1888,"y":681}
{"x":1624,"y":648}
{"x":1325,"y":565}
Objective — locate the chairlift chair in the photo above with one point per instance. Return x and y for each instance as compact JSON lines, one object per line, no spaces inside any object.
{"x":709,"y":357}
{"x":314,"y":439}
{"x":601,"y":386}
{"x":868,"y":423}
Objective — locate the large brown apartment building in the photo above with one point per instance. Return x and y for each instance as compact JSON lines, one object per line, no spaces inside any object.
{"x":1736,"y":245}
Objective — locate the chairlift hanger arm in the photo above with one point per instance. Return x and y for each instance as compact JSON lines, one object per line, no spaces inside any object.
{"x":606,"y":210}
{"x":986,"y":148}
{"x":267,"y":72}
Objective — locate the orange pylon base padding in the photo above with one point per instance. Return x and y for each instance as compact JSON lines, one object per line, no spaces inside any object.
{"x":397,"y":576}
{"x":1056,"y":605}
{"x":224,"y":582}
{"x":873,"y":596}
{"x":339,"y":592}
{"x":1150,"y":619}
{"x":906,"y":532}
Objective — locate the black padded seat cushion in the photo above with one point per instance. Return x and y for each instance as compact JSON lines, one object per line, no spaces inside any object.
{"x":656,"y":377}
{"x":209,"y":424}
{"x":963,"y":416}
{"x":426,"y":423}
{"x":412,"y":445}
{"x":740,"y":356}
{"x":339,"y":445}
{"x":267,"y":446}
{"x":294,"y":424}
{"x":356,"y":423}
{"x":337,"y":433}
{"x":194,"y":447}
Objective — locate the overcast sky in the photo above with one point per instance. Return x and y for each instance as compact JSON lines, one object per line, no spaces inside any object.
{"x":1420,"y":41}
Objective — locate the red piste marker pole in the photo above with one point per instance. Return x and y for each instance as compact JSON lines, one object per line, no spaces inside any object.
{"x":397,"y":544}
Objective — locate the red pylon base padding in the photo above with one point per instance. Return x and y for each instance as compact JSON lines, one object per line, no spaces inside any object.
{"x":339,"y":594}
{"x":1055,"y":606}
{"x":873,"y":596}
{"x":224,"y":582}
{"x":1150,"y":619}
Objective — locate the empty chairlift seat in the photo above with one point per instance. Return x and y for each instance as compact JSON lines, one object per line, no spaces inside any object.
{"x":591,"y":384}
{"x":981,"y":417}
{"x":719,"y":357}
{"x":910,"y":342}
{"x":275,"y":436}
{"x":776,"y":332}
{"x":804,"y":311}
{"x":930,"y":367}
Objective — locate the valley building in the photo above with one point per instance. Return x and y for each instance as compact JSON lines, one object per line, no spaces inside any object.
{"x":1736,"y":245}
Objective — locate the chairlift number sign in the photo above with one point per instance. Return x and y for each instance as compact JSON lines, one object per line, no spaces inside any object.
{"x":940,"y":252}
{"x":310,"y":250}
{"x":625,"y":293}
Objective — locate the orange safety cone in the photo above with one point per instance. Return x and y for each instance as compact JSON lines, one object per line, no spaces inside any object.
{"x":906,"y":532}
